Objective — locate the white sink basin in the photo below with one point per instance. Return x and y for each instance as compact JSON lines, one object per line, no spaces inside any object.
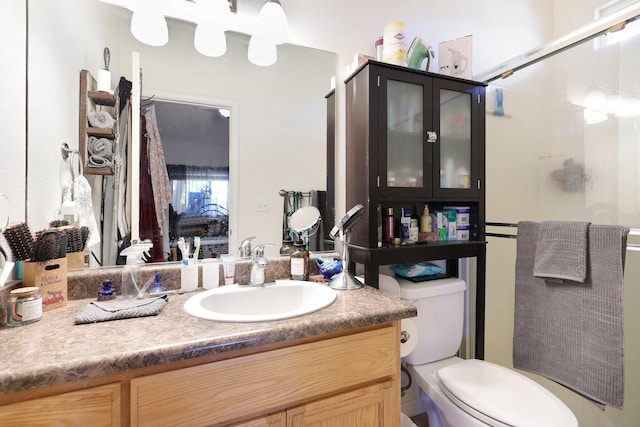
{"x":280,"y":300}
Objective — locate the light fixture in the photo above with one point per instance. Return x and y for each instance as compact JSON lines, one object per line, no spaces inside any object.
{"x":262,"y":51}
{"x":212,"y":17}
{"x":148,"y":25}
{"x":272,"y":23}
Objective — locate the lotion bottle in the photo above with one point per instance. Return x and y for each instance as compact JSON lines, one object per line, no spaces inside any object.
{"x":425,"y":220}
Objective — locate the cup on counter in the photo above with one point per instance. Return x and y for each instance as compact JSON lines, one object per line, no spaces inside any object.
{"x":210,"y":273}
{"x":229,"y":268}
{"x":189,"y":276}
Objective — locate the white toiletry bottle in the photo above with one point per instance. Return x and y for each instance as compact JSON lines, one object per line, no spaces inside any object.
{"x":131,"y":280}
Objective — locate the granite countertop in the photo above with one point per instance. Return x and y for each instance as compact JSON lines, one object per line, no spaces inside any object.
{"x":54,"y":350}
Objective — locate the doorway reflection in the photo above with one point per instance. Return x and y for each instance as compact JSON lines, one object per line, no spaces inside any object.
{"x":195,"y":138}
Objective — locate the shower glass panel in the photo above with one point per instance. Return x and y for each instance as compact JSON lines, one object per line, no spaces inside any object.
{"x":566,"y":143}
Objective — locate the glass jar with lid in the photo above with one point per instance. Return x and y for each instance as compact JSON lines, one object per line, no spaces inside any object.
{"x":25,"y":306}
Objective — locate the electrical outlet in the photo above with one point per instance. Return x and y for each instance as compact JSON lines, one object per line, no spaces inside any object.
{"x":262,"y":205}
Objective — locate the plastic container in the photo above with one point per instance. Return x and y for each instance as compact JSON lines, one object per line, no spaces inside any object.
{"x":394,"y":47}
{"x":189,"y":276}
{"x":388,"y":227}
{"x":229,"y":268}
{"x":379,"y":47}
{"x":210,"y":274}
{"x":131,"y":279}
{"x":425,"y":220}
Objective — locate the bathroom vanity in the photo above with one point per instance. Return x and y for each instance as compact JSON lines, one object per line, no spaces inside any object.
{"x":338,"y":364}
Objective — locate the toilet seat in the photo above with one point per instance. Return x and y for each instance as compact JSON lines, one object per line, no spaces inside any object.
{"x":501,"y":397}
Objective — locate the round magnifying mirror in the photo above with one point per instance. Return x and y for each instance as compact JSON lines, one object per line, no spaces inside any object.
{"x":304,"y":219}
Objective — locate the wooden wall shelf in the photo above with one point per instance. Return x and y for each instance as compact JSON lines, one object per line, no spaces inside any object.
{"x":90,"y":100}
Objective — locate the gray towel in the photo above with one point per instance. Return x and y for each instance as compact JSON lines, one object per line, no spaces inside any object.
{"x":102,"y":311}
{"x":572,"y":333}
{"x":561,"y":251}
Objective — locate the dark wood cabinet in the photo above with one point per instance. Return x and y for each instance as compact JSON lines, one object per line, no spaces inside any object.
{"x":415,"y":138}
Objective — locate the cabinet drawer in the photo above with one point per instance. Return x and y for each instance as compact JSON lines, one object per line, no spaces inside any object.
{"x":96,"y":406}
{"x":257,"y":384}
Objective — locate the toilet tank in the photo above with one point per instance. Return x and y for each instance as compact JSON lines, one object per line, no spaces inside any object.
{"x":440,"y":320}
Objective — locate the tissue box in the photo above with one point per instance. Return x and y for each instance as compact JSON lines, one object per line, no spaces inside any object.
{"x":454,"y":58}
{"x":51,"y":277}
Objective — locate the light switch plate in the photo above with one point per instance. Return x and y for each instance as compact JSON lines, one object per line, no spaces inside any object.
{"x":262,"y":205}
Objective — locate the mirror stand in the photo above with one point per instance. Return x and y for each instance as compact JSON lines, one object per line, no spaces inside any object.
{"x":345,"y":280}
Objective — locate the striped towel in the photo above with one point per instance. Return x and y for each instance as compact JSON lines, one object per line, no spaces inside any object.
{"x":103,"y":311}
{"x":572,"y":333}
{"x":561,"y":251}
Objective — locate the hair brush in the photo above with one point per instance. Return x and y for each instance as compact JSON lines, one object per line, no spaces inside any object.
{"x":20,"y":241}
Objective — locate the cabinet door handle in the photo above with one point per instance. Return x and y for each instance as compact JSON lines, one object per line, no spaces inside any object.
{"x":431,"y":136}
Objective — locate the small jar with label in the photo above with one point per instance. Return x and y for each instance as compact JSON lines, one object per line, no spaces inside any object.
{"x":25,"y":306}
{"x":300,"y":262}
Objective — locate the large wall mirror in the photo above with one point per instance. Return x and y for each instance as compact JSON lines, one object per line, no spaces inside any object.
{"x":277,"y":129}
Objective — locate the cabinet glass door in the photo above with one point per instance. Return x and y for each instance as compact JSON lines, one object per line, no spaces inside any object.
{"x":455,"y":139}
{"x":405,"y":141}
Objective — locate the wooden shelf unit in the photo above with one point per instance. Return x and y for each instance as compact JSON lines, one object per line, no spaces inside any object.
{"x":90,"y":99}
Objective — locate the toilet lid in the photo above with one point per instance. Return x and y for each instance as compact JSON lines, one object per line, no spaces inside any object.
{"x":500,"y":396}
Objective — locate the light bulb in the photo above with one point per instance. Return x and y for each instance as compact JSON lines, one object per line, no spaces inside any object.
{"x":210,"y":40}
{"x":149,"y":26}
{"x":262,"y":51}
{"x":272,"y":23}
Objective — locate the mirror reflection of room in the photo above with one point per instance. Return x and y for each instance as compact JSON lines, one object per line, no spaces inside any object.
{"x":198,"y":175}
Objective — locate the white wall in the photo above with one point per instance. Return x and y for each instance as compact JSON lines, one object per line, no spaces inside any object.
{"x":13,"y":80}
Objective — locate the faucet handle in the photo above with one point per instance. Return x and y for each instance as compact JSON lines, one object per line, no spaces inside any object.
{"x":258,"y":251}
{"x":245,"y":247}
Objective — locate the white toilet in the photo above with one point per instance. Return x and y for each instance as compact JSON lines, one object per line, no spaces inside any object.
{"x":458,"y":392}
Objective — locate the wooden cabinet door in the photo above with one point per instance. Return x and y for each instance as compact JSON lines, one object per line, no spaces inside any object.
{"x":278,"y":419}
{"x":96,"y":406}
{"x":375,"y":405}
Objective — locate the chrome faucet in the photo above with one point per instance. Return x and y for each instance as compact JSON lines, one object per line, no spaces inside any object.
{"x":258,"y":265}
{"x":245,"y":247}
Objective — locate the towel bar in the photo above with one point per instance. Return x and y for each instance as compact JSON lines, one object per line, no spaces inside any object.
{"x":630,"y":246}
